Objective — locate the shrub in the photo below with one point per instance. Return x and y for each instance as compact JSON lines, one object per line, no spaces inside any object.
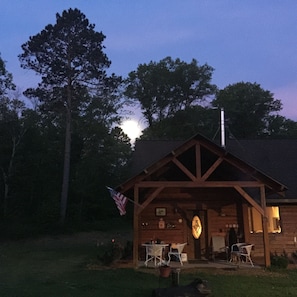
{"x":128,"y":251}
{"x":294,"y":255}
{"x":279,"y":261}
{"x":112,"y":252}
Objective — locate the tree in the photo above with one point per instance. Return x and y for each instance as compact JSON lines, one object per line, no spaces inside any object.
{"x":10,"y":131}
{"x":6,"y":83}
{"x":184,"y":124}
{"x":70,"y":59}
{"x":280,"y":127}
{"x":252,"y":114}
{"x":248,"y":109}
{"x":103,"y":158}
{"x":168,"y":86}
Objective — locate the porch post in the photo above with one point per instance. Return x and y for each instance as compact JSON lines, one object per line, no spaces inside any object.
{"x":245,"y":219}
{"x":135,"y":228}
{"x":265,"y":228}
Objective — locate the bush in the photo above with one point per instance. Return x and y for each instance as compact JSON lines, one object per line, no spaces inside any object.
{"x":294,"y":255}
{"x":279,"y":261}
{"x":128,"y":251}
{"x":112,"y":252}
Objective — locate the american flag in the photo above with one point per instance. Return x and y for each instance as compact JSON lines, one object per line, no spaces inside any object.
{"x":119,"y":199}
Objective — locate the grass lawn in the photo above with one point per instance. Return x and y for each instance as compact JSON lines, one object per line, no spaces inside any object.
{"x":60,"y":267}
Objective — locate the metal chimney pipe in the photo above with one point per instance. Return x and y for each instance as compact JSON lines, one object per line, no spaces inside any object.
{"x":222,"y":128}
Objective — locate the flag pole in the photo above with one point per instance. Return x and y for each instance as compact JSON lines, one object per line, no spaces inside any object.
{"x":132,"y":201}
{"x":135,"y":202}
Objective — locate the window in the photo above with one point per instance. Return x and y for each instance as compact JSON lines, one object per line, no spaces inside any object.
{"x":196,"y":227}
{"x":255,"y":220}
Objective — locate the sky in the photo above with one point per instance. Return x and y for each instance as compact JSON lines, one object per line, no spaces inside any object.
{"x":243,"y":40}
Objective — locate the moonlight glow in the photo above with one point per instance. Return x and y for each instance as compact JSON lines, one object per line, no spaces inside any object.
{"x":132,"y":129}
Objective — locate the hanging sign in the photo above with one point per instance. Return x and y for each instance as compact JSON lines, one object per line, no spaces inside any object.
{"x":196,"y":227}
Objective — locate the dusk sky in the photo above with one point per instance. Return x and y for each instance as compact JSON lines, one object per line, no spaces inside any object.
{"x":243,"y":40}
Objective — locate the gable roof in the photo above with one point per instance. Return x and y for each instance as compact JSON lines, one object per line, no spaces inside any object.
{"x":149,"y":153}
{"x":276,"y":157}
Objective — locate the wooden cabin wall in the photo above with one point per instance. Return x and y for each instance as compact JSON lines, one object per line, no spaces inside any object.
{"x":221,"y":222}
{"x":178,"y":224}
{"x":283,"y":242}
{"x":175,"y":230}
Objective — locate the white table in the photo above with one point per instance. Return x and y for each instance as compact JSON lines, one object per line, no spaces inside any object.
{"x":154,"y":252}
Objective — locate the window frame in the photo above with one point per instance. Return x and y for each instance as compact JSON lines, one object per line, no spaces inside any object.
{"x":273,"y":217}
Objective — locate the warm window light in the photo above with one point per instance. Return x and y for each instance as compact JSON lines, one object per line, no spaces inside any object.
{"x":255,"y":220}
{"x":196,"y":227}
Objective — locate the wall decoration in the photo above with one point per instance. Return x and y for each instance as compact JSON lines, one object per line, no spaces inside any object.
{"x":161,"y":223}
{"x":160,"y":211}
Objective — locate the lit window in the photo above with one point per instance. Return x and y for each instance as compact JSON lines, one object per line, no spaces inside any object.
{"x":255,"y":220}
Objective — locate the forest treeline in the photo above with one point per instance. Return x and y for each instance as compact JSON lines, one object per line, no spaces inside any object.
{"x":58,"y":155}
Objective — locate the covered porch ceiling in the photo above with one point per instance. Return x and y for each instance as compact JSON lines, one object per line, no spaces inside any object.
{"x":199,"y":168}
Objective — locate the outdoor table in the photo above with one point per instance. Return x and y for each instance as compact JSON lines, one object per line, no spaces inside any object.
{"x":155,"y":252}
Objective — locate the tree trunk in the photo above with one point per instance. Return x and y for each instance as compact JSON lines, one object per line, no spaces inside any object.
{"x":7,"y":176}
{"x":5,"y":198}
{"x":67,"y":151}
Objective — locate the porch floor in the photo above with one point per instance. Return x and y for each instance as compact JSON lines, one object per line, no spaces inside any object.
{"x":218,"y":264}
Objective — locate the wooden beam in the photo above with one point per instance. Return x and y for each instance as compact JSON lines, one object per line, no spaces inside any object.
{"x":245,"y":220}
{"x":173,"y":154}
{"x":212,"y":168}
{"x":249,"y":199}
{"x":254,"y":173}
{"x":185,"y":147}
{"x":217,"y":150}
{"x":156,"y":166}
{"x":184,"y":169}
{"x":265,"y":228}
{"x":150,"y":198}
{"x":198,"y":160}
{"x":198,"y":184}
{"x":135,"y":228}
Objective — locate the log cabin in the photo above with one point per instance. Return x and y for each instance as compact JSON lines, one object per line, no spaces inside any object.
{"x":247,"y":186}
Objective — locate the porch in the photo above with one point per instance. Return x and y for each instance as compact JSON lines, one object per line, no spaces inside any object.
{"x":198,"y":179}
{"x":220,"y":264}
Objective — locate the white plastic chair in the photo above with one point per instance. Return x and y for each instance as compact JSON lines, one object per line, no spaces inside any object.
{"x":241,"y":252}
{"x":235,"y":252}
{"x":176,"y":250}
{"x":154,"y":252}
{"x":245,"y":253}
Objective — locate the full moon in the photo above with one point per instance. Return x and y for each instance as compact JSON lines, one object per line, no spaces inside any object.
{"x":132,"y":129}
